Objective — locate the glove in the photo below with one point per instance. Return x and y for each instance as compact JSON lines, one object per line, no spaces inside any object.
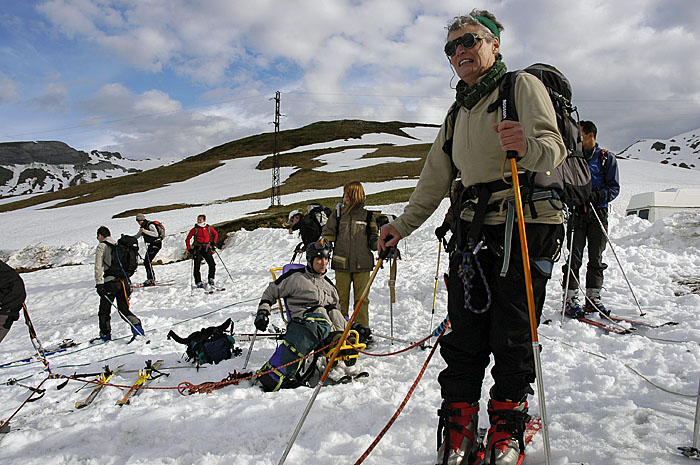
{"x":101,"y":291}
{"x":11,"y":318}
{"x":262,"y":319}
{"x":441,"y":230}
{"x":596,"y":198}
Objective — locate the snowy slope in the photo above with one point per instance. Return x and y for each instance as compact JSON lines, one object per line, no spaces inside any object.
{"x":75,"y":225}
{"x":602,"y":405}
{"x":682,"y":150}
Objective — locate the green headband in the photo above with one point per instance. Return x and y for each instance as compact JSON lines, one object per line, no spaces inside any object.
{"x":489,"y":24}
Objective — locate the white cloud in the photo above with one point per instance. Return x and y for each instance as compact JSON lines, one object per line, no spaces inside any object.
{"x":9,"y":89}
{"x":151,"y":124}
{"x":631,"y":62}
{"x":53,"y":98}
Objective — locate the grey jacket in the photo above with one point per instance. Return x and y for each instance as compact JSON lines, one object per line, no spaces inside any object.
{"x":305,"y":292}
{"x":103,"y":260}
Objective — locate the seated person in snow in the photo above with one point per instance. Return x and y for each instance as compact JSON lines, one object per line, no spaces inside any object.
{"x":314,"y":307}
{"x":12,"y":295}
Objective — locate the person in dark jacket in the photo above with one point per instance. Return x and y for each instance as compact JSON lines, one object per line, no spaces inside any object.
{"x":309,"y":229}
{"x":353,"y":231}
{"x":111,"y":287}
{"x":583,"y":226}
{"x":200,"y":242}
{"x":12,"y":295}
{"x":151,"y":237}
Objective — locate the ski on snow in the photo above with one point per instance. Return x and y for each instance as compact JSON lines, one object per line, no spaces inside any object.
{"x":646,"y":324}
{"x":211,"y":290}
{"x":348,"y":378}
{"x":604,"y":326}
{"x":690,"y":452}
{"x":145,"y":376}
{"x":102,"y":379}
{"x":531,"y":428}
{"x":60,"y":347}
{"x":141,"y":286}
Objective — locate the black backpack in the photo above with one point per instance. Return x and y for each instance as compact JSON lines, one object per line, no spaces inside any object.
{"x":209,"y":345}
{"x":125,"y":257}
{"x":319,"y":214}
{"x":572,"y":179}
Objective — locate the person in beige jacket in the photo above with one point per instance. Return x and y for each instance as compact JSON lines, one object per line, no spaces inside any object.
{"x":488,"y":310}
{"x":353,"y":230}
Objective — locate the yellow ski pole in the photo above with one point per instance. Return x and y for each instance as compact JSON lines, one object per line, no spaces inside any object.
{"x":530,"y":304}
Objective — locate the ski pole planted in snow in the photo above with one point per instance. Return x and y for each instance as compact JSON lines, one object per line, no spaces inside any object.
{"x":512,"y":155}
{"x":607,"y":238}
{"x":693,"y":451}
{"x":133,"y":328}
{"x":222,"y":262}
{"x":334,"y":354}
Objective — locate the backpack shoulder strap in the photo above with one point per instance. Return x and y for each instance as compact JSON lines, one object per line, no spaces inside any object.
{"x":329,"y":280}
{"x":506,"y":93}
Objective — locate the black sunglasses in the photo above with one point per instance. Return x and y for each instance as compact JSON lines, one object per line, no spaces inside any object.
{"x":468,"y":40}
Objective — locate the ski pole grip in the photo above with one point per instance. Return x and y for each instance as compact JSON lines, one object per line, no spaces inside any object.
{"x":511,"y":154}
{"x":388,"y":250}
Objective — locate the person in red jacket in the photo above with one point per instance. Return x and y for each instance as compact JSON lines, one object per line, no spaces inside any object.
{"x":205,"y":238}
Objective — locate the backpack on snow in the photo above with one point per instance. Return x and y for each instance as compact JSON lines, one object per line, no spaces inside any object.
{"x":209,"y":345}
{"x":571,"y":180}
{"x":125,"y":257}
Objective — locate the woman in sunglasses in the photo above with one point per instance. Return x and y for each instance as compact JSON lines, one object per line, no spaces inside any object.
{"x":487,"y":301}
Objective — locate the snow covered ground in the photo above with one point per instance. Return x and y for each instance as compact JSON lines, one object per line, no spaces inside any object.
{"x":611,"y":399}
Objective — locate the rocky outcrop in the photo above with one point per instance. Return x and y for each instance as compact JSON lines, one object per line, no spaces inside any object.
{"x":46,"y":166}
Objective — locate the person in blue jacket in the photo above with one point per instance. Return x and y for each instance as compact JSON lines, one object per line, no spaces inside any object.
{"x":583,"y":226}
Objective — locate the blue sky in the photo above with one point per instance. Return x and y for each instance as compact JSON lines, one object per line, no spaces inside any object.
{"x":157,"y":78}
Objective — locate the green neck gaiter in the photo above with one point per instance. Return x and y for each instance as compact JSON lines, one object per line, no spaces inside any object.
{"x":468,"y":96}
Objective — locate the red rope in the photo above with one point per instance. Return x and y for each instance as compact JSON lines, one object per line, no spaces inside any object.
{"x":3,"y":423}
{"x":403,"y":403}
{"x":416,"y":344}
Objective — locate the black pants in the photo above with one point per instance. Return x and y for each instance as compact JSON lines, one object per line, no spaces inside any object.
{"x":504,"y":329}
{"x":585,"y":228}
{"x":205,"y":253}
{"x":115,"y":290}
{"x":151,"y":252}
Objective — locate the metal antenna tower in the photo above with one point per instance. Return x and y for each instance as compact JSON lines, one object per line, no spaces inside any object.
{"x":275,"y":192}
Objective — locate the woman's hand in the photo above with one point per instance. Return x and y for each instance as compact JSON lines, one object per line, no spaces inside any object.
{"x":511,"y":136}
{"x":386,"y":231}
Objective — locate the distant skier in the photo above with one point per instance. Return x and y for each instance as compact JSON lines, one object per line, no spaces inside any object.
{"x":205,"y":237}
{"x":152,"y":238}
{"x":111,"y":286}
{"x":12,"y":295}
{"x":583,"y":226}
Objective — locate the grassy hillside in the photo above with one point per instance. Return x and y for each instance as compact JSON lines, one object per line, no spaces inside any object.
{"x":257,"y":145}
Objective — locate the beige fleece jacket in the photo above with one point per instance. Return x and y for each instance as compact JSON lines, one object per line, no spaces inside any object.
{"x":478,"y":156}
